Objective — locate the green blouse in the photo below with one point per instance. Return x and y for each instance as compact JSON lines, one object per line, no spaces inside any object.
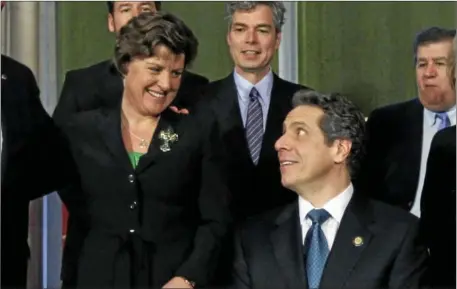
{"x":135,"y":158}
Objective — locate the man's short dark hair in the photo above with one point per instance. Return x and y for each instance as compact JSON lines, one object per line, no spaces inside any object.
{"x":110,"y":5}
{"x":143,"y":33}
{"x":432,"y":35}
{"x":342,"y":120}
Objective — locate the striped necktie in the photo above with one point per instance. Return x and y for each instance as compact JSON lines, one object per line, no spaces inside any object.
{"x":254,"y":125}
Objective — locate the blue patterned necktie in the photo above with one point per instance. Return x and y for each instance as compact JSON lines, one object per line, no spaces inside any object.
{"x":254,"y":125}
{"x":444,"y":120}
{"x":316,"y":247}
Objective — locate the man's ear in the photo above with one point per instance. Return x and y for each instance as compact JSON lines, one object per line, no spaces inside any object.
{"x":278,"y":39}
{"x":342,"y":150}
{"x":111,"y":26}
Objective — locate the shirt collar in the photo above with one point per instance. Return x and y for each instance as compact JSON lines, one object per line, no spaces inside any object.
{"x":335,"y":207}
{"x":430,"y":116}
{"x":244,"y":87}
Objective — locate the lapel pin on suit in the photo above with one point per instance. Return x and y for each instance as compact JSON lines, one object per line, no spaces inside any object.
{"x":358,"y":241}
{"x":3,"y":76}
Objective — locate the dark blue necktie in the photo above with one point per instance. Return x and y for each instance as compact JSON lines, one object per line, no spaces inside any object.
{"x":316,"y":247}
{"x":444,"y":120}
{"x":254,"y":125}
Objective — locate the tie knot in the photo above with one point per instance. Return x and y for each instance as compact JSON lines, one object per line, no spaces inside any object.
{"x":444,"y":119}
{"x":254,"y":94}
{"x":442,"y":116}
{"x":318,"y":216}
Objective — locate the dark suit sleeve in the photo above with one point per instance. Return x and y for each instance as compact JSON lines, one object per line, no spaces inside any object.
{"x":411,"y":264}
{"x":432,"y":183}
{"x":191,"y":91}
{"x":438,"y":222}
{"x":45,"y":152}
{"x":214,"y":212}
{"x":68,"y":99}
{"x":240,"y":274}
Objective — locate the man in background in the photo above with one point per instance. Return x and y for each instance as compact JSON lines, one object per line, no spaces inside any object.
{"x":250,"y":105}
{"x":438,"y":204}
{"x":399,"y":135}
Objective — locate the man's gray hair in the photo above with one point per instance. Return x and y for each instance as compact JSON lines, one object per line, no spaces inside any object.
{"x":277,"y":8}
{"x":342,"y":120}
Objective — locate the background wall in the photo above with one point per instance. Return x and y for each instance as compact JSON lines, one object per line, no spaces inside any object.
{"x":83,"y":36}
{"x":85,"y":39}
{"x":365,"y":49}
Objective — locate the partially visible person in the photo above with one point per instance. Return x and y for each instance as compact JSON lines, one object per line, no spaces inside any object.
{"x":153,"y":194}
{"x":331,"y":236}
{"x":30,"y":157}
{"x":399,"y":135}
{"x":438,"y":213}
{"x":100,"y":85}
{"x":251,"y":104}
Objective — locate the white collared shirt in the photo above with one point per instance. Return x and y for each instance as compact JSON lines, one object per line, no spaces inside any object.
{"x":335,"y":207}
{"x":429,"y":128}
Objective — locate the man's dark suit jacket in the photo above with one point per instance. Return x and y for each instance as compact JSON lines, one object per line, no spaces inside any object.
{"x":390,"y":171}
{"x":269,"y":250}
{"x":255,"y":188}
{"x":29,"y":169}
{"x":438,"y":214}
{"x":164,"y":218}
{"x":100,"y":85}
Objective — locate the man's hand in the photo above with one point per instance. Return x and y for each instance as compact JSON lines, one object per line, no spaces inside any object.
{"x":177,"y":283}
{"x":177,"y":110}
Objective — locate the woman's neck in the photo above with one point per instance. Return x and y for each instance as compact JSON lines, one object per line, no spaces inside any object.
{"x":132,"y":117}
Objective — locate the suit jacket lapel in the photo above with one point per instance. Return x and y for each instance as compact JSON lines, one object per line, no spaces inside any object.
{"x":287,"y":245}
{"x":345,"y":253}
{"x":233,"y":124}
{"x":278,"y":109}
{"x":110,"y":130}
{"x":228,"y":109}
{"x":415,"y":133}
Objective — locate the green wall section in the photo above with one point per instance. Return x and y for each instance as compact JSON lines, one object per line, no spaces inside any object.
{"x":206,"y":19}
{"x":82,"y":35}
{"x":365,"y":49}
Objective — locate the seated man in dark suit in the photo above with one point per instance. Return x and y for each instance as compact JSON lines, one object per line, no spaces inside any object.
{"x":438,"y":214}
{"x":86,"y":89}
{"x":399,"y":135}
{"x":30,"y":149}
{"x":331,"y":236}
